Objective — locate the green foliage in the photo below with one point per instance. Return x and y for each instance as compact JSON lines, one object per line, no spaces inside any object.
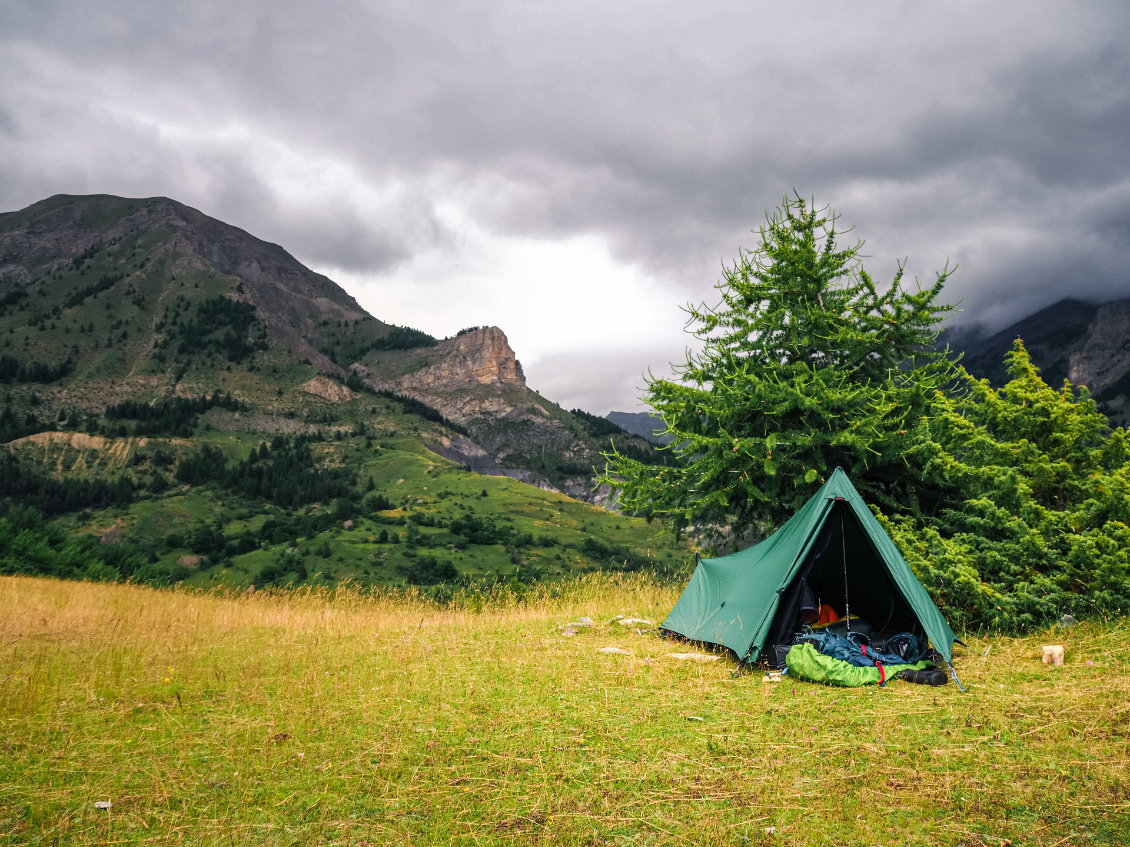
{"x":105,"y":283}
{"x":284,"y":473}
{"x":624,"y":443}
{"x":13,"y":426}
{"x":481,"y":530}
{"x":351,"y":348}
{"x":427,"y":570}
{"x":1028,"y":504}
{"x":805,"y":366}
{"x":354,"y":382}
{"x":13,"y":370}
{"x":377,"y":502}
{"x":596,"y":426}
{"x":612,"y":557}
{"x":11,"y":298}
{"x":22,"y":484}
{"x":33,"y":546}
{"x":174,"y":416}
{"x":289,"y":562}
{"x":401,"y":338}
{"x":223,"y":326}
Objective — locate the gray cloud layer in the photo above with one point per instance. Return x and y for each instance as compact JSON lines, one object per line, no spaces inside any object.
{"x":991,"y":134}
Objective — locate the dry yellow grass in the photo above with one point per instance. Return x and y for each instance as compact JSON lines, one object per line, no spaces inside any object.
{"x":347,"y":719}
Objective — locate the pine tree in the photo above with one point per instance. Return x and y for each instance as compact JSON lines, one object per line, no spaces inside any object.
{"x":805,"y":366}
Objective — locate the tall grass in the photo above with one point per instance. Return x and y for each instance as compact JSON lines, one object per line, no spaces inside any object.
{"x":348,"y":717}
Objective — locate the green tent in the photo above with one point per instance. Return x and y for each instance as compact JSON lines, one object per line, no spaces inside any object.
{"x":834,"y":549}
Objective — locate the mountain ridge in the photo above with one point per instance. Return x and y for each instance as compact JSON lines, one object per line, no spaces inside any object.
{"x":1083,"y":343}
{"x":164,"y":272}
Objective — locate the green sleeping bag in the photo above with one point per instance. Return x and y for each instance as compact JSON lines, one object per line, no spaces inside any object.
{"x":805,"y":662}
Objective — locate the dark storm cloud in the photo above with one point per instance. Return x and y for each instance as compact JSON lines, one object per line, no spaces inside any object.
{"x":993,"y":136}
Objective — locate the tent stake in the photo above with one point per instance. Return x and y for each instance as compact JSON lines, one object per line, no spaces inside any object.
{"x":953,"y":673}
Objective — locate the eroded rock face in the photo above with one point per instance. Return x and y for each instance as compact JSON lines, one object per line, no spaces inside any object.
{"x":1106,"y":355}
{"x":474,"y":375}
{"x":327,"y":389}
{"x":476,"y":380}
{"x":480,"y":357}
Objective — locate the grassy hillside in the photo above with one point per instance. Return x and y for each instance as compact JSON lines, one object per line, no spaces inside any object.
{"x":336,"y":718}
{"x":419,"y":514}
{"x":136,"y":334}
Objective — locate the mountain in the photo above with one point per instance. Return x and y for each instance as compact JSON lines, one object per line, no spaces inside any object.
{"x":151,"y":297}
{"x":1084,"y":343}
{"x":643,"y":424}
{"x":160,"y":251}
{"x":170,"y":379}
{"x":1051,"y":335}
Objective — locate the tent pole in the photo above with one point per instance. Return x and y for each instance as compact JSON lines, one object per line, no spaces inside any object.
{"x":847,"y":606}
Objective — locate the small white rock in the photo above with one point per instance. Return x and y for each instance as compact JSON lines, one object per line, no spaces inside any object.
{"x":615,"y":650}
{"x":102,"y":804}
{"x":630,"y":621}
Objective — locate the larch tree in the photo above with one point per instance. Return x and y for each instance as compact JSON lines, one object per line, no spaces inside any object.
{"x":805,"y":365}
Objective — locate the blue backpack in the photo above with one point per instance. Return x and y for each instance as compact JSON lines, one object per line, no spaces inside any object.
{"x":838,"y":647}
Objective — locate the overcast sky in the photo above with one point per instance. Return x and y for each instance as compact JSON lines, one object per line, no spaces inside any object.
{"x":574,"y":172}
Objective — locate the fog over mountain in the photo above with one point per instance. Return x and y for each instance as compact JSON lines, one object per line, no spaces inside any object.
{"x":574,"y":173}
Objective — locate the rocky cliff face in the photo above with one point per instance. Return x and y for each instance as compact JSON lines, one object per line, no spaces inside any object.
{"x":1086,"y":344}
{"x":476,"y":381}
{"x":480,"y":357}
{"x":1050,"y":335}
{"x":473,"y":375}
{"x":1105,"y":357}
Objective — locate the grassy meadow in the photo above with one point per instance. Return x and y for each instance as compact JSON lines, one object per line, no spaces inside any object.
{"x":342,"y":717}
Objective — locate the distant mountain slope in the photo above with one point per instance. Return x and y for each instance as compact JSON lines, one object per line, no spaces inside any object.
{"x":1051,"y":336}
{"x":643,"y":424}
{"x":107,"y":299}
{"x":1080,"y":342}
{"x":65,"y":243}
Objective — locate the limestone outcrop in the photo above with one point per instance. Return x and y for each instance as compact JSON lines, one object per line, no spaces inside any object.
{"x":474,"y":375}
{"x":480,"y":357}
{"x":476,"y":380}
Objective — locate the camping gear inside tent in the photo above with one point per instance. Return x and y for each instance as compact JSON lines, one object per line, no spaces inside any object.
{"x":832,"y":552}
